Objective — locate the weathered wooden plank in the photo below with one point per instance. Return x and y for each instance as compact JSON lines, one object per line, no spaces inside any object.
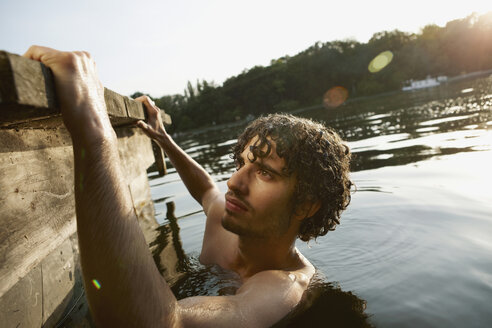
{"x":49,"y":293}
{"x":36,"y":202}
{"x":144,"y":207}
{"x":26,"y":89}
{"x":28,"y":76}
{"x":166,"y":118}
{"x":58,"y":281}
{"x":73,"y":310}
{"x":27,"y":93}
{"x":37,"y":198}
{"x":160,"y":161}
{"x":22,"y":306}
{"x":115,"y":105}
{"x":135,"y":151}
{"x":134,"y":108}
{"x":8,"y":93}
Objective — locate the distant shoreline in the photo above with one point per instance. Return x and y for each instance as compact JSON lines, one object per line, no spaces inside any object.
{"x":461,"y":77}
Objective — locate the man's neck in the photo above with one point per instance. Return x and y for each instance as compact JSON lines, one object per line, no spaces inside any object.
{"x":256,"y":254}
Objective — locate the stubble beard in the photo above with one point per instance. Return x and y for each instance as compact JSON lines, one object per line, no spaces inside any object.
{"x":229,"y":224}
{"x":242,"y":231}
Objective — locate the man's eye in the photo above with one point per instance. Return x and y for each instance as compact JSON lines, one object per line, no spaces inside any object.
{"x":264,"y":173}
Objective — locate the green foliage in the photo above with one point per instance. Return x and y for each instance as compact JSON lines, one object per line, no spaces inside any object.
{"x":289,"y":83}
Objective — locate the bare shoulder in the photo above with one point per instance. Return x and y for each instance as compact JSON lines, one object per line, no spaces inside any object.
{"x":285,"y":285}
{"x":270,"y":295}
{"x":263,"y":300}
{"x":278,"y":280}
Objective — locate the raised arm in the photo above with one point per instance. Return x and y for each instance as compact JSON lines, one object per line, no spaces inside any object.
{"x":197,"y":180}
{"x":123,"y":285}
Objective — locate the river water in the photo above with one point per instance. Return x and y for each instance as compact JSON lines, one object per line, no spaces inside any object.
{"x":414,"y":248}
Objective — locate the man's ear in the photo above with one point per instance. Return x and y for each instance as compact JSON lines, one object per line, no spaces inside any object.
{"x":307,"y":209}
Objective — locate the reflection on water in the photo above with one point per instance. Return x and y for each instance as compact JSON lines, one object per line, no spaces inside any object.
{"x":167,"y":249}
{"x":210,"y":280}
{"x":415,"y":241}
{"x":326,"y":304}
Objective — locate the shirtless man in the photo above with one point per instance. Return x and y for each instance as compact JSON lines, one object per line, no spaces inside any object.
{"x":291,"y":181}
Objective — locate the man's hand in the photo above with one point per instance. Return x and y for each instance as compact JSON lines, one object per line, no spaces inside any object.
{"x":154,"y":128}
{"x":79,"y":92}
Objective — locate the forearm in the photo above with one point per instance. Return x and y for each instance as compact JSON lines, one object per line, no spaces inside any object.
{"x":128,"y":290}
{"x":193,"y":175}
{"x":113,"y":249}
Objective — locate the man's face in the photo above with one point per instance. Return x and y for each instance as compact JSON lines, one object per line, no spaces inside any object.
{"x":258,"y":202}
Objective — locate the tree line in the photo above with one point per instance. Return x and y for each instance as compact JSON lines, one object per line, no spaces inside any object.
{"x":292,"y":82}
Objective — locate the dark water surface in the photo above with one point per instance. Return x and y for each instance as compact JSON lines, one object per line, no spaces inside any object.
{"x":415,"y":245}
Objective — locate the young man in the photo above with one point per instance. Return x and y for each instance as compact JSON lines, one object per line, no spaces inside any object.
{"x":291,"y":181}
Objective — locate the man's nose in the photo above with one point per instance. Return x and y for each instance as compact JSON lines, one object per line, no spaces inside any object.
{"x":239,"y":181}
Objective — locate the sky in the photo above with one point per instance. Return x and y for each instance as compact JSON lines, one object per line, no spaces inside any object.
{"x":156,"y":47}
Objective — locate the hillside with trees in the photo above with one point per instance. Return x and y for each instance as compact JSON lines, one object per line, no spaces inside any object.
{"x":292,"y":82}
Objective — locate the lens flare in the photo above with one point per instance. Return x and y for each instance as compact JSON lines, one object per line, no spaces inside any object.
{"x":335,"y":97}
{"x":380,"y":61}
{"x":96,"y":284}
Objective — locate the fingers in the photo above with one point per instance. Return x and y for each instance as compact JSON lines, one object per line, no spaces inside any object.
{"x":35,"y":52}
{"x":144,"y":126}
{"x":154,"y":113}
{"x":146,"y":129}
{"x":141,"y":124}
{"x":145,"y":99}
{"x":83,"y":54}
{"x":52,"y":57}
{"x":48,"y":56}
{"x":78,"y":88}
{"x":149,"y":103}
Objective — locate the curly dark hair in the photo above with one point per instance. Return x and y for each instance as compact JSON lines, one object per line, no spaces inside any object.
{"x":318,"y":157}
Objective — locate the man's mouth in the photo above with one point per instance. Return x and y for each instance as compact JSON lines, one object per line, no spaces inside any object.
{"x":234,"y":204}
